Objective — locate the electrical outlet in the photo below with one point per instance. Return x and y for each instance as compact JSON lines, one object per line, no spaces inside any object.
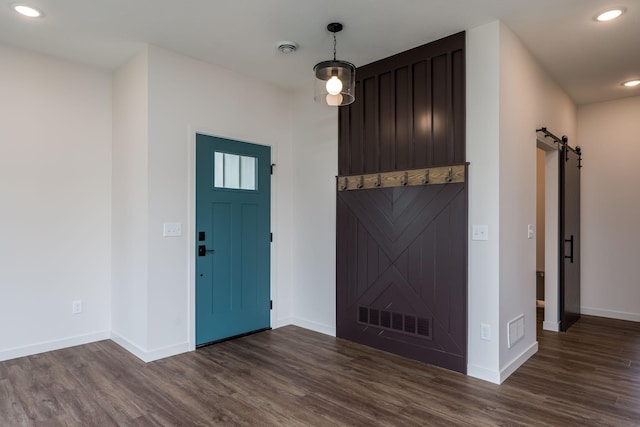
{"x":485,"y":331}
{"x":76,"y":307}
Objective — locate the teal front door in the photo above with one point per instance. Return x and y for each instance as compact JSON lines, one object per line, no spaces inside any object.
{"x":233,"y":196}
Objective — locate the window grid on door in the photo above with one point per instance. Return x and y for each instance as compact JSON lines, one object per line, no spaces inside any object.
{"x":235,"y":172}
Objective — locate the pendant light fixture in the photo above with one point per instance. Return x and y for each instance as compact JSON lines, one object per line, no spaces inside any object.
{"x":335,"y":80}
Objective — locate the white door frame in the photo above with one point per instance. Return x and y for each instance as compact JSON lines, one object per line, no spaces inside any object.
{"x":551,"y":217}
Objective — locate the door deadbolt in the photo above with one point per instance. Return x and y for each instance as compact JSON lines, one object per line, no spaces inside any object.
{"x":202,"y":250}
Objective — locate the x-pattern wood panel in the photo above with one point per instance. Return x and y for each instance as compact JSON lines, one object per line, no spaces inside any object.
{"x":404,"y":250}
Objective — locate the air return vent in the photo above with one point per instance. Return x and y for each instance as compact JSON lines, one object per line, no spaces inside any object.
{"x":396,"y":322}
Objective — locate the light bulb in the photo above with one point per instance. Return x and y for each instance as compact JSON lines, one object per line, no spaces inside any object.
{"x":334,"y":100}
{"x":632,"y":83}
{"x":334,"y":86}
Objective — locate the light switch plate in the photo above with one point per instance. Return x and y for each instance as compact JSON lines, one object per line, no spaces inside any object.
{"x":480,"y":232}
{"x":172,"y":229}
{"x":485,"y":331}
{"x":530,"y":231}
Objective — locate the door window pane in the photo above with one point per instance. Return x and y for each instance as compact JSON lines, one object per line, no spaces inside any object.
{"x":231,"y":171}
{"x":247,"y":173}
{"x":218,"y":170}
{"x":234,"y":172}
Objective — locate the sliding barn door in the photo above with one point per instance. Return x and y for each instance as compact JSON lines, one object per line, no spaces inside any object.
{"x":402,"y":270}
{"x":570,"y":165}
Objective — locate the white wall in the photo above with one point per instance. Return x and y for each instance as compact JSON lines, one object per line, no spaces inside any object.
{"x":483,"y":153}
{"x":55,"y":190}
{"x":502,"y":75}
{"x":188,"y":96}
{"x":130,"y":203}
{"x":315,"y":154}
{"x":185,"y":97}
{"x":529,"y":99}
{"x":609,"y":133}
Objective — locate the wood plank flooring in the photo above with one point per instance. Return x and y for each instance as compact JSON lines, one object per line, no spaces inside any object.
{"x":589,"y":376}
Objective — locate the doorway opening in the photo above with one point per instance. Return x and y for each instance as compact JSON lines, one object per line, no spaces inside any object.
{"x":547,"y":221}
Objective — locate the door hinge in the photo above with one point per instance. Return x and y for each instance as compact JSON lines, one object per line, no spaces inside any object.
{"x":271,"y":305}
{"x":272,"y":166}
{"x":271,"y":237}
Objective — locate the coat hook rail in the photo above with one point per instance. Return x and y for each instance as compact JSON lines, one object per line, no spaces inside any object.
{"x":430,"y":176}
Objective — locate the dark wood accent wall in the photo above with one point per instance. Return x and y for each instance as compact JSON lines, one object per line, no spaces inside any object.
{"x":409,"y":111}
{"x":401,"y":279}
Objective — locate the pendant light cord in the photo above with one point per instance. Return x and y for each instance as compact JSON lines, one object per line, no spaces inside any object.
{"x":334,"y":45}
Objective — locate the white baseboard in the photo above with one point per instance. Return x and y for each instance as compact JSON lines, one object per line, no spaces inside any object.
{"x":42,"y":347}
{"x":282,"y":322}
{"x":483,"y":374}
{"x":620,"y":315}
{"x":518,"y":361}
{"x":314,"y":326}
{"x":149,"y":355}
{"x":128,"y":345}
{"x":551,"y":326}
{"x":498,"y":377}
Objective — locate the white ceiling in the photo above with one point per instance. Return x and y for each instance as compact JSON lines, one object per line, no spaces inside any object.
{"x":588,"y":59}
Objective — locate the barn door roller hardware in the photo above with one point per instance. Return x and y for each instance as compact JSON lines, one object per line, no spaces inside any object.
{"x":550,"y":135}
{"x":563,"y":142}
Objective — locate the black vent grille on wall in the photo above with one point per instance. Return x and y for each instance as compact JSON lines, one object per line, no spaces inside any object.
{"x":396,"y":322}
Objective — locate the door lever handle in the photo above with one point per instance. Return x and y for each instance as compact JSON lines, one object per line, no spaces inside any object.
{"x":202,"y":250}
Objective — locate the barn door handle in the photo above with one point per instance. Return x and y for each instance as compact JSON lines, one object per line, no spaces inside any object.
{"x":571,"y":249}
{"x":202,"y":250}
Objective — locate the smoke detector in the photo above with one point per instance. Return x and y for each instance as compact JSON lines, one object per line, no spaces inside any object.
{"x":287,"y":47}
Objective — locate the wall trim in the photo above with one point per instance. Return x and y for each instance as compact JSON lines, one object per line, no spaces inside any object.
{"x":483,"y":374}
{"x":620,"y":315}
{"x":518,"y":361}
{"x":128,"y":345}
{"x":551,"y":326}
{"x":146,"y":355}
{"x":168,"y":351}
{"x":42,"y":347}
{"x":314,"y":326}
{"x":499,"y":377}
{"x":279,"y":323}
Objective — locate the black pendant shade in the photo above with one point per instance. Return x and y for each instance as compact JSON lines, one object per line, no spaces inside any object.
{"x":335,"y":80}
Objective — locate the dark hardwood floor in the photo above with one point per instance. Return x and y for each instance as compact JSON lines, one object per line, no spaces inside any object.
{"x":589,"y":376}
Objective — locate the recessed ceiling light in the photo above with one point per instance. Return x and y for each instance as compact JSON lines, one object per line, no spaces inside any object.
{"x":26,"y":10}
{"x":631,"y":83}
{"x":609,"y":15}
